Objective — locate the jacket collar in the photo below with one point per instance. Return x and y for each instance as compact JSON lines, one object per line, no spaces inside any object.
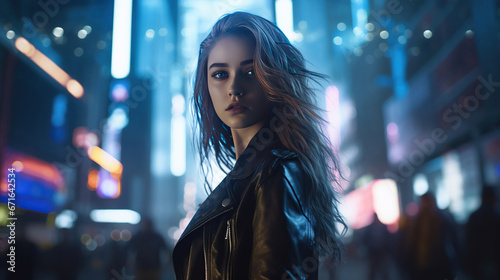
{"x":261,"y":145}
{"x":264,"y":142}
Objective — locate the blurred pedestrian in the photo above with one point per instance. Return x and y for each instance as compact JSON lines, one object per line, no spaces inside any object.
{"x":117,"y":260}
{"x":67,"y":257}
{"x":376,"y":240}
{"x":150,"y":252}
{"x":434,"y":242}
{"x":26,"y":254}
{"x":482,"y":239}
{"x":403,"y":246}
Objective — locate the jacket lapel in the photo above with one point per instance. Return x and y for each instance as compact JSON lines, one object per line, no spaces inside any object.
{"x":221,"y":199}
{"x":218,"y":202}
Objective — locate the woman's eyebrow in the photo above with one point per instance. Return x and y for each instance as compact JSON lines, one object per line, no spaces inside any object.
{"x":248,"y":61}
{"x":245,"y":62}
{"x":218,"y":65}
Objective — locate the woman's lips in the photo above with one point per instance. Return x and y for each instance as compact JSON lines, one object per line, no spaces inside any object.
{"x":237,"y":109}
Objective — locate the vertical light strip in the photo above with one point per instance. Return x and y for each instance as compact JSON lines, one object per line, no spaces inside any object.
{"x":178,"y":137}
{"x":122,"y":33}
{"x":333,"y":112}
{"x":178,"y":146}
{"x":359,"y":10}
{"x":284,"y":18}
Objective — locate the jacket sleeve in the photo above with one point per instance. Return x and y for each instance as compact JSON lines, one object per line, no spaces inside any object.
{"x":282,"y":233}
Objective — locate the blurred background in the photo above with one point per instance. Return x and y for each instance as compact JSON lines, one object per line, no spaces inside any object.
{"x":95,"y":118}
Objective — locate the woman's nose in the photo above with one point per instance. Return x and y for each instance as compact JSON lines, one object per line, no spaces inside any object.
{"x":237,"y":87}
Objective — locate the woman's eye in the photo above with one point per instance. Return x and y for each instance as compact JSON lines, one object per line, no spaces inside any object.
{"x":219,"y":75}
{"x":250,"y":73}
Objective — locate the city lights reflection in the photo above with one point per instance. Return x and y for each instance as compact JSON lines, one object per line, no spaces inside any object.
{"x":47,"y":65}
{"x":115,"y":216}
{"x":105,"y":160}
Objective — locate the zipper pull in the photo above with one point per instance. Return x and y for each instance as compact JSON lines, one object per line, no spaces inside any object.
{"x":228,"y":228}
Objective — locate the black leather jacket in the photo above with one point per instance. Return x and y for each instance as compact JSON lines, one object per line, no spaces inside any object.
{"x":254,"y":225}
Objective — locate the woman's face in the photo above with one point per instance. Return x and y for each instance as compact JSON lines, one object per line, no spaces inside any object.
{"x":236,"y":94}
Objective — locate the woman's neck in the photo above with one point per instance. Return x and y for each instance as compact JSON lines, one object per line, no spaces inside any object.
{"x":242,"y":136}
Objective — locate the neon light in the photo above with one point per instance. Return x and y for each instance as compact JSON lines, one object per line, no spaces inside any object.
{"x":284,"y":18}
{"x":105,"y":160}
{"x":122,"y":32}
{"x":392,"y":132}
{"x":420,"y":185}
{"x":333,"y":110}
{"x":118,"y":119}
{"x":75,"y":88}
{"x":35,"y":168}
{"x":108,"y":188}
{"x":59,"y":110}
{"x":120,"y":91}
{"x":93,"y":179}
{"x":115,"y":216}
{"x":450,"y":192}
{"x":178,"y":137}
{"x":386,"y":201}
{"x":66,"y":219}
{"x":178,"y":146}
{"x":359,"y":10}
{"x":18,"y":165}
{"x":47,"y":65}
{"x":109,"y":184}
{"x":357,"y":208}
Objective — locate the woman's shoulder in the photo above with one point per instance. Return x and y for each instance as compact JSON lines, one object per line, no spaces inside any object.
{"x":284,"y":167}
{"x":287,"y":182}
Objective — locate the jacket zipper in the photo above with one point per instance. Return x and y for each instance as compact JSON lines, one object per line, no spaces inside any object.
{"x":203,"y":242}
{"x":230,"y":239}
{"x":199,"y":224}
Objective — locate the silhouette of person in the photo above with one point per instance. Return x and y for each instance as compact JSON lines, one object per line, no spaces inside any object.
{"x":376,"y":241}
{"x":403,"y":247}
{"x":117,"y":266}
{"x":67,"y":257}
{"x":148,"y":246}
{"x":26,"y":254}
{"x":434,"y":242}
{"x":482,"y":239}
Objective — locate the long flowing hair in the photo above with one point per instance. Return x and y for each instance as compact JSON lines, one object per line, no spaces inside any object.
{"x":280,"y":68}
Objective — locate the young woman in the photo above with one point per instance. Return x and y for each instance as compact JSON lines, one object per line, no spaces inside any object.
{"x":274,"y":214}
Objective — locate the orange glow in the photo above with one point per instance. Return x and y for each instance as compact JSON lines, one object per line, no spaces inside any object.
{"x":105,"y":160}
{"x":119,"y":191}
{"x":49,"y":67}
{"x":75,"y":88}
{"x":93,"y":180}
{"x":25,"y":47}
